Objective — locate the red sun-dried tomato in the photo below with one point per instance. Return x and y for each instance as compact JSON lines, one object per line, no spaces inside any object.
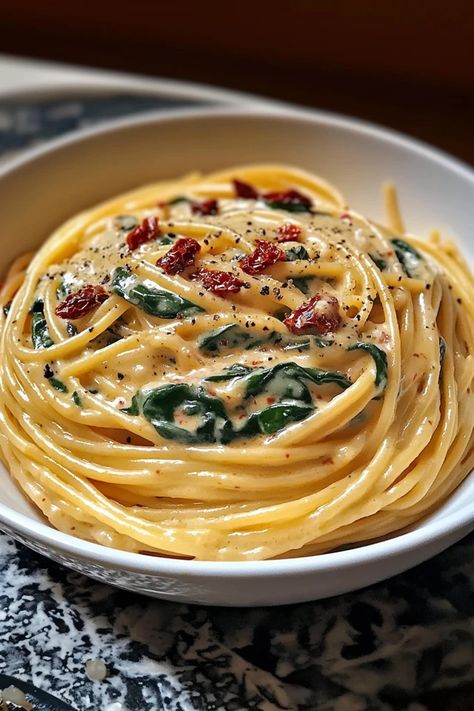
{"x":289,"y":233}
{"x":264,"y":255}
{"x":180,"y":256}
{"x":318,"y":316}
{"x":220,"y":283}
{"x":245,"y":190}
{"x":82,"y":302}
{"x":290,"y":199}
{"x":207,"y":207}
{"x":145,"y":232}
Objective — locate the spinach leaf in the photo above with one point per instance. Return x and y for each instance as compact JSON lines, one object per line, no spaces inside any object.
{"x":322,"y":377}
{"x":302,"y":344}
{"x":154,"y":301}
{"x":295,"y":253}
{"x":134,"y":408}
{"x":6,"y":308}
{"x":408,"y":257}
{"x":288,"y":206}
{"x":289,"y":385}
{"x":282,"y":314}
{"x":71,"y":329}
{"x":228,"y":336}
{"x":291,"y":380}
{"x":39,"y":328}
{"x":322,"y":342}
{"x":64,"y":289}
{"x":77,"y":398}
{"x":274,"y":418}
{"x":302,"y":283}
{"x":233,"y":336}
{"x":380,"y":359}
{"x":59,"y":385}
{"x":158,"y":406}
{"x":292,"y":377}
{"x":235,"y":371}
{"x":379,"y":263}
{"x":167,"y":239}
{"x":125,"y":223}
{"x":442,"y":350}
{"x":178,"y":199}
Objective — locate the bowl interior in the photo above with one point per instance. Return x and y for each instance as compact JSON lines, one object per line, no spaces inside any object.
{"x":41,"y":191}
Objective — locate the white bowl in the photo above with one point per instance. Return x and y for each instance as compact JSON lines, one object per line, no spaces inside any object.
{"x":48,"y":185}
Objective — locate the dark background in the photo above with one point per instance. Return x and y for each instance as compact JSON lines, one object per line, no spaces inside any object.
{"x":408,"y":65}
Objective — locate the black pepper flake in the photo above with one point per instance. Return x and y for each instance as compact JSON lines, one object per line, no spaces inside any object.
{"x":120,"y":376}
{"x":265,"y":290}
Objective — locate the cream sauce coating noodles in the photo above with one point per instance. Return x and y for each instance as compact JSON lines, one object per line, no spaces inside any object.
{"x":237,"y":367}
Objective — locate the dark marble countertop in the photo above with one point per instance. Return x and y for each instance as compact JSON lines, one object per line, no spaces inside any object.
{"x":405,"y":645}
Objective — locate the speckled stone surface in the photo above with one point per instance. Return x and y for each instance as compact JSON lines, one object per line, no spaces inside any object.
{"x":403,"y":645}
{"x":406,"y":644}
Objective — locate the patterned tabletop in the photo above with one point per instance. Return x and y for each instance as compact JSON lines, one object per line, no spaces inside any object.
{"x":404,"y":645}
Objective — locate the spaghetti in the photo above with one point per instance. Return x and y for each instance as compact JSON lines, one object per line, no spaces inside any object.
{"x":237,"y":367}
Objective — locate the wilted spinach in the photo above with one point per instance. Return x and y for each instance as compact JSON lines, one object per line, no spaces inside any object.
{"x":380,"y":359}
{"x":39,"y":327}
{"x":156,"y":301}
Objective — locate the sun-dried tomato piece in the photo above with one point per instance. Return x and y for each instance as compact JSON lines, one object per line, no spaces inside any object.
{"x":245,"y":190}
{"x":220,"y":283}
{"x":264,"y":255}
{"x":82,"y":302}
{"x":207,"y":207}
{"x":145,"y":232}
{"x":292,"y":200}
{"x":318,"y":316}
{"x":180,"y":256}
{"x":289,"y":233}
